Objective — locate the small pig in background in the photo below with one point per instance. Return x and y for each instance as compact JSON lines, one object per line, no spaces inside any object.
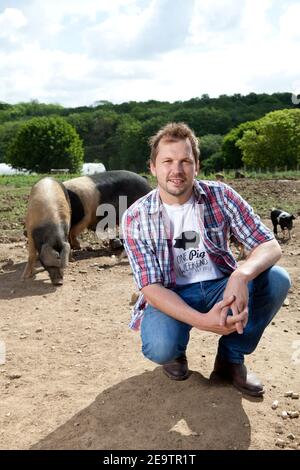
{"x":283,"y":219}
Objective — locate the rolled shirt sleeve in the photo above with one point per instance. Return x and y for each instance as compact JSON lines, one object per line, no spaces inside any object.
{"x":142,"y":259}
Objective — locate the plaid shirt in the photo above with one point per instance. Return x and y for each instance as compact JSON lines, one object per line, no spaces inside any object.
{"x":221,"y":211}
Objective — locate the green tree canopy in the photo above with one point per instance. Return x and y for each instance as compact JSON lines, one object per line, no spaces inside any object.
{"x":97,"y":130}
{"x":213,"y":163}
{"x":203,"y":121}
{"x":97,"y":124}
{"x":126,"y":146}
{"x":232,"y":153}
{"x":45,"y":143}
{"x":210,"y":144}
{"x":8,"y":131}
{"x":273,"y":141}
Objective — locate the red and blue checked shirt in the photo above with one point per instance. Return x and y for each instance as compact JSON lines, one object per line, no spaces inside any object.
{"x":221,"y":212}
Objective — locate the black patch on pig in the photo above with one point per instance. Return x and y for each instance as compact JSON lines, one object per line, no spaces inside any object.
{"x":53,"y":234}
{"x":77,"y":209}
{"x":115,"y":183}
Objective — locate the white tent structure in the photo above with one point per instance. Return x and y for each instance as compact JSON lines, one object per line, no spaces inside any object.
{"x":92,"y":168}
{"x":87,"y":169}
{"x":9,"y":170}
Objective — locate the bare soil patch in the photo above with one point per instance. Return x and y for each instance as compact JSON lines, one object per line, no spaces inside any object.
{"x":75,"y":378}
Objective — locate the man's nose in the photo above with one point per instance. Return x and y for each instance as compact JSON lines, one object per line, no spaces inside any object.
{"x":177,"y":167}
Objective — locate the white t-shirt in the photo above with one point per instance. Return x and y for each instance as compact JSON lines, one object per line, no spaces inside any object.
{"x":191,"y":260}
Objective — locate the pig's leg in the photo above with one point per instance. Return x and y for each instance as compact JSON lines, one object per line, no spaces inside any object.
{"x":32,"y":256}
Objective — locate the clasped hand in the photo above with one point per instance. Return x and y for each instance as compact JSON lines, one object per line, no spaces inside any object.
{"x":235,"y":298}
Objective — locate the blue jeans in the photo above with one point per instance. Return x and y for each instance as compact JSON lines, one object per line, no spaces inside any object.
{"x":164,"y":338}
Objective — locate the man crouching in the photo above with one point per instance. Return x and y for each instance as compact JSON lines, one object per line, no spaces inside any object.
{"x":176,"y":238}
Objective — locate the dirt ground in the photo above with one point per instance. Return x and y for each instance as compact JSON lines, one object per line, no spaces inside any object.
{"x":74,"y":376}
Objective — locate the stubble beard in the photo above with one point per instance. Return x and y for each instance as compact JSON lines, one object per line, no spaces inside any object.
{"x":177,"y":192}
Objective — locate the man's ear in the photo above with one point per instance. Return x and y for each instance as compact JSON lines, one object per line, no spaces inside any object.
{"x":197,"y":169}
{"x":152,"y":168}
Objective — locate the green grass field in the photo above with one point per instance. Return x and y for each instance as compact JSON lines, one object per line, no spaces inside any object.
{"x":14,"y":192}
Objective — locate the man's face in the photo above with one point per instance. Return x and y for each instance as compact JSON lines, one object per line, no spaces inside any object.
{"x":175,"y":169}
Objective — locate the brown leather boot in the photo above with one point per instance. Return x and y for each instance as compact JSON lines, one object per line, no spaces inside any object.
{"x":177,"y":369}
{"x":237,"y":374}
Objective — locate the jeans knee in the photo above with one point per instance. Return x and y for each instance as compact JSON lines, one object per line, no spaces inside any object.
{"x":160,"y":352}
{"x":280,"y":281}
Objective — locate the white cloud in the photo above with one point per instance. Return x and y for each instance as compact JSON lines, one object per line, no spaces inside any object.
{"x":289,"y":22}
{"x":56,"y":11}
{"x":33,"y":72}
{"x":76,"y":52}
{"x":226,"y":22}
{"x":255,"y":24}
{"x":12,"y":21}
{"x":214,"y":23}
{"x":113,"y":36}
{"x":166,"y":28}
{"x":142,"y":33}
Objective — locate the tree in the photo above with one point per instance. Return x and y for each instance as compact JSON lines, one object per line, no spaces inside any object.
{"x":274,"y":141}
{"x":8,"y":132}
{"x":213,"y":163}
{"x":150,"y":128}
{"x":206,"y":120}
{"x":45,"y":143}
{"x":231,"y":152}
{"x":102,"y":126}
{"x":210,"y":144}
{"x":96,"y":129}
{"x":126,"y":146}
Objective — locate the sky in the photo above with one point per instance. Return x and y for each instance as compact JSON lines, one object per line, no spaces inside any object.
{"x":79,"y":52}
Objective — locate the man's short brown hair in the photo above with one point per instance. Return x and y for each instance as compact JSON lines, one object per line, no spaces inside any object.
{"x":172,"y":132}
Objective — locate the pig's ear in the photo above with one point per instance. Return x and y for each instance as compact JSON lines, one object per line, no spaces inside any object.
{"x":49,"y":256}
{"x":65,"y":255}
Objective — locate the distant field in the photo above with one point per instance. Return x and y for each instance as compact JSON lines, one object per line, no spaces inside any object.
{"x":25,"y":181}
{"x":259,"y":174}
{"x":262,"y":193}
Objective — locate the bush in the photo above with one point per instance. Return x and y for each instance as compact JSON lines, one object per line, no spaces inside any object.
{"x":45,"y":143}
{"x":210,"y":144}
{"x":274,"y":141}
{"x":212,"y":164}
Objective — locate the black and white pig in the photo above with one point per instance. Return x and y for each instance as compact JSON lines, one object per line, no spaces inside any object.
{"x":88,"y":193}
{"x":283,"y":219}
{"x":48,"y":222}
